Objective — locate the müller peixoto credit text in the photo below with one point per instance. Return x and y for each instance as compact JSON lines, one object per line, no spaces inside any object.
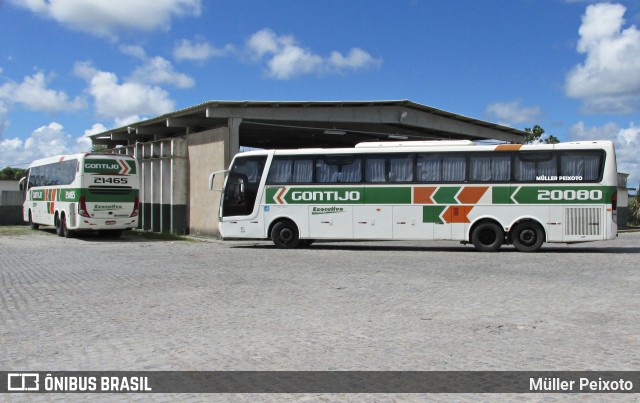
{"x":582,"y":384}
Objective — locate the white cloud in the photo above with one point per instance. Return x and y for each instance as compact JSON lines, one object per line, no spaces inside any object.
{"x":199,"y":50}
{"x":45,"y":141}
{"x":356,"y":59}
{"x":85,"y":141}
{"x":121,"y":101}
{"x":158,"y":70}
{"x":509,"y":113}
{"x":626,"y":140}
{"x":286,"y":59}
{"x":134,"y":50}
{"x":107,"y":18}
{"x":95,"y":129}
{"x":33,"y":93}
{"x":608,"y":81}
{"x":155,"y":70}
{"x":127,"y":120}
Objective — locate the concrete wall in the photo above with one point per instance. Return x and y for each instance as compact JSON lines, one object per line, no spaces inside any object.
{"x":9,"y":185}
{"x":208,"y":152}
{"x":174,"y":176}
{"x":163,"y":184}
{"x":11,"y":207}
{"x":623,"y":207}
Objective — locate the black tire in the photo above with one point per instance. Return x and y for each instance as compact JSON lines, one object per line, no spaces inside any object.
{"x":527,"y":236}
{"x":285,"y":235}
{"x":487,"y":237}
{"x":32,"y":225}
{"x":66,"y":232}
{"x":58,"y":222}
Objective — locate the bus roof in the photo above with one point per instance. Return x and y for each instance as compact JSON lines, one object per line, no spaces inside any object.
{"x":58,"y":158}
{"x":438,"y":145}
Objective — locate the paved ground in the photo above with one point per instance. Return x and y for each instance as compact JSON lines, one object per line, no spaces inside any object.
{"x":152,"y":304}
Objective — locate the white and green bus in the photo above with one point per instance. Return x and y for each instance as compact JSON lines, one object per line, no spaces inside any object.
{"x":82,"y":192}
{"x":487,"y":195}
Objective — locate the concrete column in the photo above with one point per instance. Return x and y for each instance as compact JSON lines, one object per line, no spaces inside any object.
{"x":233,"y":140}
{"x":209,"y":151}
{"x":166,"y":185}
{"x":145,"y":186}
{"x":179,"y":186}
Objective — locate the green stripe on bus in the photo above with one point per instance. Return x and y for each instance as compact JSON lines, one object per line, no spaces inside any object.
{"x":431,"y":214}
{"x":387,"y":195}
{"x":562,"y":194}
{"x":501,"y":195}
{"x":446,"y":195}
{"x":125,"y":196}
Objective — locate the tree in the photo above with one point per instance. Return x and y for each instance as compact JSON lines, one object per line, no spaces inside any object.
{"x":98,"y":148}
{"x":535,"y":135}
{"x":634,"y":209}
{"x":9,"y":173}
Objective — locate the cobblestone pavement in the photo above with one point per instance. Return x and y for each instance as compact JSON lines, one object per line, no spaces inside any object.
{"x":155,"y":304}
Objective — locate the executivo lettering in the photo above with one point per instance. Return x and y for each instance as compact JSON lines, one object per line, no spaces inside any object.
{"x":102,"y":207}
{"x":327,"y":210}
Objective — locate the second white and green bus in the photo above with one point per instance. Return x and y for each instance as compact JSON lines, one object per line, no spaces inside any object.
{"x":487,"y":195}
{"x":82,"y":192}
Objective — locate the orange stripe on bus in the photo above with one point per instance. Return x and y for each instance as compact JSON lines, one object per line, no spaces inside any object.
{"x":422,"y":195}
{"x":508,"y":147}
{"x":471,"y":194}
{"x":457,"y":214}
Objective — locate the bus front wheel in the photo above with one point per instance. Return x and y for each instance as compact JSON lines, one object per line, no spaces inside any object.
{"x":285,"y":235}
{"x":487,"y":237}
{"x":527,"y":236}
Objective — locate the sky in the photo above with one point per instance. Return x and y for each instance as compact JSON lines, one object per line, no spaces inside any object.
{"x":71,"y":68}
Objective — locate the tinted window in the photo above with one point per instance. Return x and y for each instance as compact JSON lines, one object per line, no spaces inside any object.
{"x":339,"y":169}
{"x":57,"y":173}
{"x":440,"y":168}
{"x":532,"y":166}
{"x":390,"y":168}
{"x":291,"y":170}
{"x":484,"y":167}
{"x":580,"y":165}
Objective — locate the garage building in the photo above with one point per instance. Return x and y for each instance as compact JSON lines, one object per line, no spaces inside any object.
{"x":177,"y":151}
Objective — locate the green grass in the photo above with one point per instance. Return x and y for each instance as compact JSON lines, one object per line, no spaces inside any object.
{"x":14,"y":230}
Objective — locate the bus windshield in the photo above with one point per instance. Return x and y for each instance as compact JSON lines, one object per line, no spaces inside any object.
{"x":242,"y":185}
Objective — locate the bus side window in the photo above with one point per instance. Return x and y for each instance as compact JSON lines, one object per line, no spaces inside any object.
{"x":532,"y":164}
{"x":339,"y":169}
{"x":581,"y":165}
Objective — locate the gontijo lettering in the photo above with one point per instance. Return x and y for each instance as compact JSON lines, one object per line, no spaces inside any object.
{"x":318,"y":195}
{"x":101,"y":166}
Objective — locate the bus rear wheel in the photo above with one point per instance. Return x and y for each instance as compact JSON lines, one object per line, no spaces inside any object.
{"x":62,"y":229}
{"x":285,"y":235}
{"x":32,"y":225}
{"x":527,"y":236}
{"x":487,"y":237}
